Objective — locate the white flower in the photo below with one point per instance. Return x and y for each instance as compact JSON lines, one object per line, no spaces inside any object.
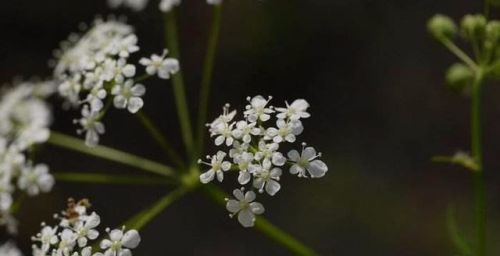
{"x":266,"y":178}
{"x":35,"y":179}
{"x":224,"y":132}
{"x":95,"y":97}
{"x":123,"y":47}
{"x":243,"y":161}
{"x":218,"y":166}
{"x":48,"y":237}
{"x":91,"y":126}
{"x":244,"y":207}
{"x":214,"y":2}
{"x":286,"y":131}
{"x":307,"y":161}
{"x":295,"y":111}
{"x":117,"y":70}
{"x":85,"y":229}
{"x":70,"y":89}
{"x":257,"y":109}
{"x":128,"y":96}
{"x":164,"y":67}
{"x":135,"y":5}
{"x":168,"y":5}
{"x":269,"y":151}
{"x":245,"y":130}
{"x":67,"y":242}
{"x":6,"y":190}
{"x":119,"y":244}
{"x":9,"y":249}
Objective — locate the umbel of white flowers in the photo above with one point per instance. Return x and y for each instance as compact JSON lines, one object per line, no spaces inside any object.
{"x":76,"y":230}
{"x":253,"y":147}
{"x":24,"y":122}
{"x":93,"y":73}
{"x":139,"y":5}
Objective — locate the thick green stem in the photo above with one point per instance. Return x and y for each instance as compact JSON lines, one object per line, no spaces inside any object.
{"x":160,"y":139}
{"x":206,"y":80}
{"x":479,"y":180}
{"x":262,"y":225}
{"x":99,"y":178}
{"x":172,"y":42}
{"x":69,"y":142}
{"x":144,"y":217}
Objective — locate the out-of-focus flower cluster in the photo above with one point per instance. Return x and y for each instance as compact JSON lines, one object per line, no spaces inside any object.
{"x":24,"y":122}
{"x":254,"y":149}
{"x":77,"y":230}
{"x":9,"y":249}
{"x":139,"y":5}
{"x":93,"y":73}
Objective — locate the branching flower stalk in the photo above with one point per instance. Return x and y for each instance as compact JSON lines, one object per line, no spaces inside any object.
{"x":92,"y":73}
{"x":470,"y":76}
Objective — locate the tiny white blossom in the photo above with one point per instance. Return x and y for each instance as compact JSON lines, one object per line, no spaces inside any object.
{"x":218,"y":166}
{"x":244,"y":206}
{"x":128,"y":96}
{"x":307,"y":160}
{"x":48,"y":237}
{"x":295,"y":111}
{"x":245,"y":131}
{"x":243,"y":161}
{"x":258,"y":110}
{"x":286,"y":131}
{"x":135,"y":5}
{"x":120,"y":243}
{"x":86,"y":229}
{"x":91,"y":126}
{"x":266,"y":178}
{"x":36,"y":179}
{"x":158,"y":64}
{"x":168,"y":5}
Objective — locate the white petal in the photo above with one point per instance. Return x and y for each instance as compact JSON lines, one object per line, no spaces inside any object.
{"x":296,"y":169}
{"x":233,"y":206}
{"x":131,"y":239}
{"x":220,"y":176}
{"x":249,"y":196}
{"x":246,"y":218}
{"x":244,"y":178}
{"x":119,"y":101}
{"x":272,"y":187}
{"x":238,"y":194}
{"x":207,"y":176}
{"x":309,"y":153}
{"x":294,"y":155}
{"x":129,"y":70}
{"x":138,"y":90}
{"x":134,"y":104}
{"x":257,"y":208}
{"x":317,"y":168}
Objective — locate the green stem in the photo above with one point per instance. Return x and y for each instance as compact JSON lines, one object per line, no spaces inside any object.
{"x":69,"y":142}
{"x":172,"y":42}
{"x":459,"y":53}
{"x":99,"y":178}
{"x":144,"y":217}
{"x":479,"y":180}
{"x":262,"y":225}
{"x":160,"y":138}
{"x":208,"y":68}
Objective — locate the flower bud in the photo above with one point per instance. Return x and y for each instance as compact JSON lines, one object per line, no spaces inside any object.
{"x":458,"y":76}
{"x":441,"y":26}
{"x":474,"y":26}
{"x":492,"y":33}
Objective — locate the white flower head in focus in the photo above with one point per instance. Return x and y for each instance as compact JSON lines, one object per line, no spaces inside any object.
{"x":160,"y":65}
{"x":253,"y":146}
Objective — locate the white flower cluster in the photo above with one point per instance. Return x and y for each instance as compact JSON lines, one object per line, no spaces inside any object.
{"x":93,"y":68}
{"x":24,"y":122}
{"x":9,"y":249}
{"x":75,"y":232}
{"x":253,"y":150}
{"x":139,"y":5}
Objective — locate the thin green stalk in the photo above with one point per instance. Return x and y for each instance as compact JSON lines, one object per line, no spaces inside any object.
{"x":160,"y":139}
{"x":262,"y":225}
{"x":208,"y":68}
{"x":99,"y":178}
{"x":172,"y":42}
{"x":144,"y":217}
{"x":459,"y":53}
{"x":479,"y":180}
{"x":69,"y":142}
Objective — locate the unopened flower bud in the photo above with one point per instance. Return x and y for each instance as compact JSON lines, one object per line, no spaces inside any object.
{"x":474,"y":26}
{"x":441,"y":26}
{"x":458,"y":76}
{"x":492,"y":33}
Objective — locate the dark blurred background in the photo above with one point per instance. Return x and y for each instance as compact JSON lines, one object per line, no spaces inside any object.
{"x":374,"y":78}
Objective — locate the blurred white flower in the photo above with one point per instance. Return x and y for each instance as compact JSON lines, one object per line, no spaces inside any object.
{"x":158,"y":64}
{"x":91,"y":126}
{"x":135,"y":5}
{"x":9,"y":249}
{"x":168,"y":5}
{"x":35,"y":179}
